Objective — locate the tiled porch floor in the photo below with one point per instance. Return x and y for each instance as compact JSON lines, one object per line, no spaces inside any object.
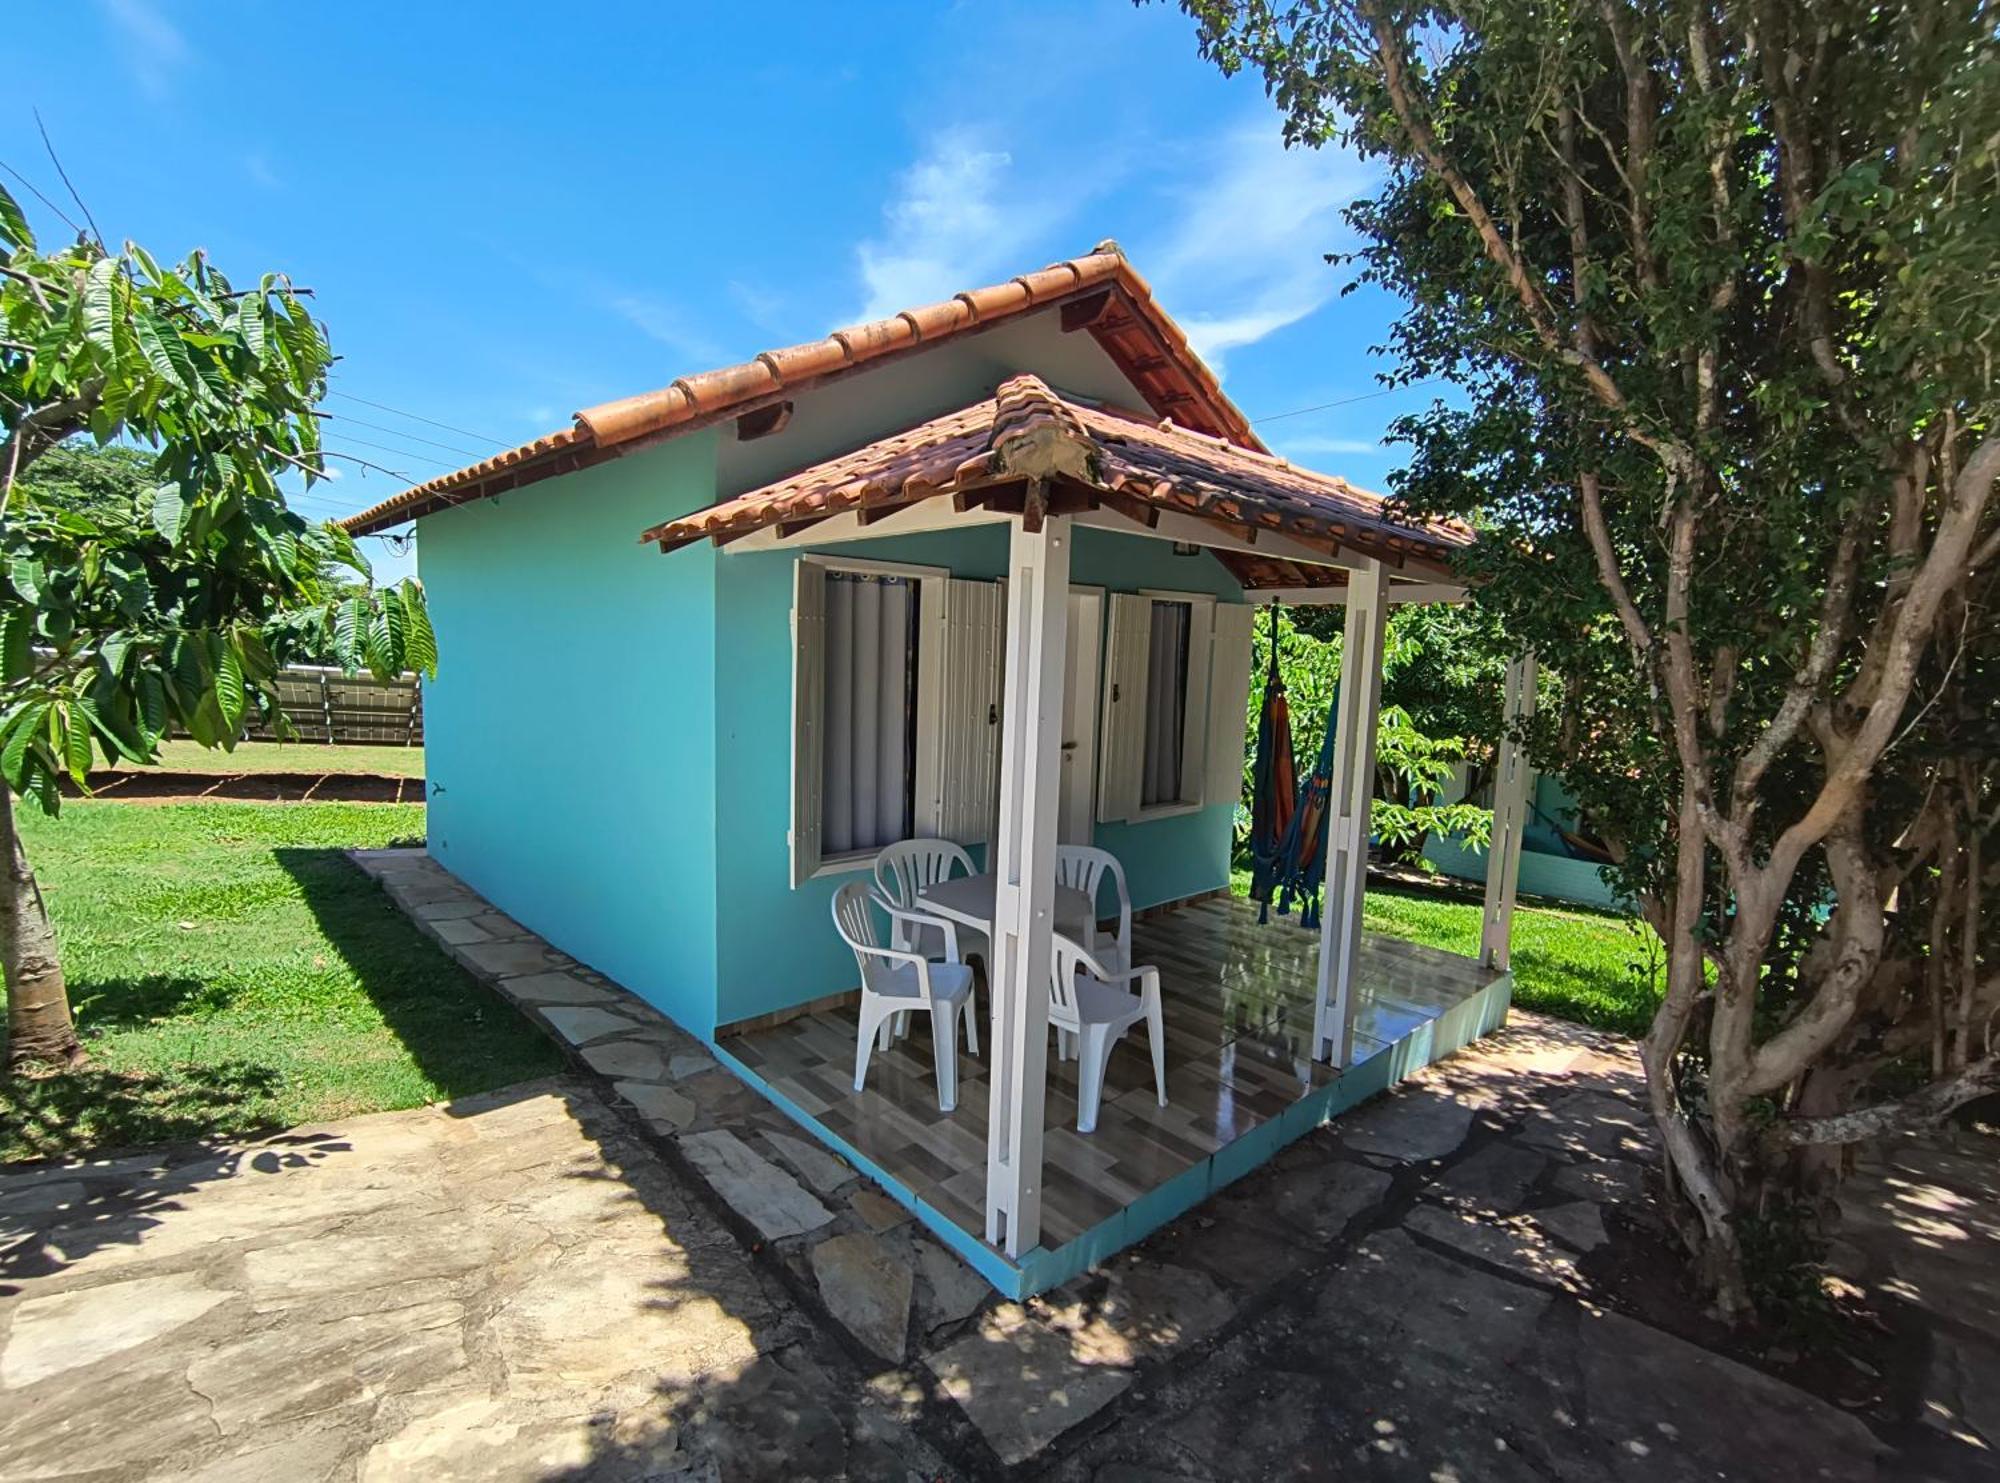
{"x":1238,"y":999}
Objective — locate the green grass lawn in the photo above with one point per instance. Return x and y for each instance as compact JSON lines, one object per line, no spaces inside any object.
{"x":265,"y":756}
{"x":1583,"y":965}
{"x":231,"y":970}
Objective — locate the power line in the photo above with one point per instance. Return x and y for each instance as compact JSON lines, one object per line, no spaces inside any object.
{"x":404,"y":453}
{"x":1366,"y":396}
{"x":407,"y":437}
{"x":414,"y":417}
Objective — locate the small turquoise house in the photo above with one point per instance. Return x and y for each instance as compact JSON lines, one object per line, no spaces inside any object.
{"x":984,"y":570}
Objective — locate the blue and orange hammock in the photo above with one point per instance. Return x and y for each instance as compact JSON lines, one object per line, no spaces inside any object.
{"x":1287,"y":827}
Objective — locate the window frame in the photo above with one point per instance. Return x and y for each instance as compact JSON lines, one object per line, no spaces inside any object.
{"x":1194,"y":717}
{"x":932,"y":585}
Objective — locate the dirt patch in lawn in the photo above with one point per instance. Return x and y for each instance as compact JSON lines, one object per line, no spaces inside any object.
{"x":255,"y":787}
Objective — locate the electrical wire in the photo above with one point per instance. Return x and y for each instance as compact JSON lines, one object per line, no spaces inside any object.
{"x":463,"y":432}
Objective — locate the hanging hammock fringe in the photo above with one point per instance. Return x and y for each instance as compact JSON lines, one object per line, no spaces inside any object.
{"x":1287,"y":828}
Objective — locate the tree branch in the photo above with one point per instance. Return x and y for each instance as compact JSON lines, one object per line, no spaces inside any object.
{"x":1922,"y":1109}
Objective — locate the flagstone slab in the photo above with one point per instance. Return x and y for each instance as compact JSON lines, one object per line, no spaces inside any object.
{"x":1410,"y":1126}
{"x":558,"y":988}
{"x":66,"y":1330}
{"x":822,"y":1170}
{"x":866,"y":1287}
{"x":581,"y":1025}
{"x":1579,"y":1225}
{"x":506,"y":959}
{"x":754,"y":1187}
{"x":631,"y":1060}
{"x":658,"y":1104}
{"x":1019,"y":1384}
{"x":458,"y":931}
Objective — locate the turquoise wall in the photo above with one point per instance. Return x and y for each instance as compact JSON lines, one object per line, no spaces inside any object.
{"x":570,"y":735}
{"x":776,"y":946}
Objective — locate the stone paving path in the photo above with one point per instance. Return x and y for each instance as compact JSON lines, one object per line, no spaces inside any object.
{"x":644,"y":1270}
{"x":513,"y":1287}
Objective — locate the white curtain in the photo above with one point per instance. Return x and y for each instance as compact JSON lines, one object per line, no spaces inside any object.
{"x":1166,"y":703}
{"x":870,"y":653}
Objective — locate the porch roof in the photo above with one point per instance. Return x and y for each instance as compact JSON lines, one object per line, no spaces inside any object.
{"x":1033,"y":450}
{"x":1100,"y":293}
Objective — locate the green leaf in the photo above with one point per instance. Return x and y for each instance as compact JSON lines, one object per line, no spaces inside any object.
{"x":169,"y":512}
{"x":152,"y":706}
{"x":13,"y":223}
{"x":26,"y":574}
{"x":16,"y":648}
{"x":98,"y":308}
{"x":419,"y":641}
{"x":250,"y":323}
{"x":76,"y":741}
{"x":350,"y":631}
{"x":153,"y":343}
{"x":229,"y":686}
{"x":26,"y":726}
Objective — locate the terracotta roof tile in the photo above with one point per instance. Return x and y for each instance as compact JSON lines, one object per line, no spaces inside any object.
{"x":1136,"y":335}
{"x":1026,"y":430}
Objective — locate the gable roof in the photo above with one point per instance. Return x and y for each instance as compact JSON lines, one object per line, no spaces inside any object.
{"x":1088,"y":456}
{"x":1099,"y":293}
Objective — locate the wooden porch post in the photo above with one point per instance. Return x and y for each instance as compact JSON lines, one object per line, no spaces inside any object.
{"x":1351,"y":795}
{"x":1024,"y":866}
{"x":1510,"y":819}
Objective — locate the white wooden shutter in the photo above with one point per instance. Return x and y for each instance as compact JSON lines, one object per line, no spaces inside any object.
{"x":1228,"y":702}
{"x":1194,"y":724}
{"x":975,"y":630}
{"x":808,"y":712}
{"x":1121,"y":744}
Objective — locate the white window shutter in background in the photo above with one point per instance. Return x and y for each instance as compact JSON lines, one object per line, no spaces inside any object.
{"x":1122,"y":738}
{"x":975,"y":629}
{"x":808,"y":708}
{"x":1194,"y":744}
{"x":1228,"y":702}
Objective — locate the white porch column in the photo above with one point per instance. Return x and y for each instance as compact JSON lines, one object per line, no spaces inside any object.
{"x":1510,"y":819}
{"x":1351,"y":796}
{"x":1023,"y":860}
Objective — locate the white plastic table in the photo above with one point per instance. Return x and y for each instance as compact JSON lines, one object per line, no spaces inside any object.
{"x":968,"y":900}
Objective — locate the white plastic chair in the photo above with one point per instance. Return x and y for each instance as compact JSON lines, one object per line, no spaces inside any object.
{"x":902,"y":870}
{"x":1085,"y":868}
{"x":1093,"y":1004}
{"x":895,"y":981}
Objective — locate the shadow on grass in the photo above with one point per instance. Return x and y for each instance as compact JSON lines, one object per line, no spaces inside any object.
{"x":95,"y":1108}
{"x":126,"y":1003}
{"x":463,"y":1038}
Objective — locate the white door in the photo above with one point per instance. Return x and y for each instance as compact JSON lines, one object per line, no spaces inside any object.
{"x":1076,"y":810}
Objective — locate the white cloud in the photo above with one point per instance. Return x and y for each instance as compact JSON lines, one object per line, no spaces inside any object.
{"x":763,"y":307}
{"x":669,"y":325}
{"x":957,"y":220}
{"x":153,"y":49}
{"x":257,"y":165}
{"x":1246,"y":253}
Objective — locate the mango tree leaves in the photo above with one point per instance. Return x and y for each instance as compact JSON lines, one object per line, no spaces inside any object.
{"x":156,"y":584}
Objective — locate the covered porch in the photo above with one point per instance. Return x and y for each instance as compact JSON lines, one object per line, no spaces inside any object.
{"x":1270,"y":1030}
{"x":1240,"y":1083}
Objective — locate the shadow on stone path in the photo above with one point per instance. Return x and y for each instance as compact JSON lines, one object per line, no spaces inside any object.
{"x":511,"y":1286}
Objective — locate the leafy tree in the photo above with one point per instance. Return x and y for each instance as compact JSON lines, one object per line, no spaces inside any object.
{"x":1716,"y":286}
{"x":1413,"y":767}
{"x":132,"y":605}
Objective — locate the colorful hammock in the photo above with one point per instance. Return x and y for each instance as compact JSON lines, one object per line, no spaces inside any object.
{"x":1287,"y":830}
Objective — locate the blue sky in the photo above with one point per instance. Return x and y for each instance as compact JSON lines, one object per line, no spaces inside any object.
{"x":511,"y":211}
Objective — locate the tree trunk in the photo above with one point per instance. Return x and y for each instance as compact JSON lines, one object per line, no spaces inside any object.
{"x":39,"y":1029}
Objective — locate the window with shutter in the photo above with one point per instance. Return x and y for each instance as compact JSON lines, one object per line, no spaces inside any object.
{"x":895,"y":709}
{"x":1154,"y":742}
